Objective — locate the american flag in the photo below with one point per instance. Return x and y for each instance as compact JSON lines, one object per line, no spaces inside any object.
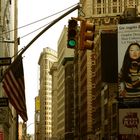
{"x":14,"y":87}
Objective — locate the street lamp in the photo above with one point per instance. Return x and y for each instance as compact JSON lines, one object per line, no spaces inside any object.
{"x":25,"y":135}
{"x":29,"y":125}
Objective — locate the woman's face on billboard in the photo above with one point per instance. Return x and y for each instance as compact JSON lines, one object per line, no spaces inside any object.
{"x":134,"y":52}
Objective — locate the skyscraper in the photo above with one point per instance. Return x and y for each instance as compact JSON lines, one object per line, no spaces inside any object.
{"x":63,"y":52}
{"x":47,"y":57}
{"x":8,"y":22}
{"x":105,"y":15}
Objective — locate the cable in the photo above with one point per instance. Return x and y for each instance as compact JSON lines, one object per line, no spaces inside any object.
{"x":35,"y":30}
{"x":37,"y":21}
{"x":38,"y":28}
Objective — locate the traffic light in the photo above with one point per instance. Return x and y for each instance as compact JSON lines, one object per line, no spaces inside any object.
{"x":72,"y":34}
{"x":87,"y":32}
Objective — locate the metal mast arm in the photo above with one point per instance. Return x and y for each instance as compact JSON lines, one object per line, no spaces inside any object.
{"x":46,"y":28}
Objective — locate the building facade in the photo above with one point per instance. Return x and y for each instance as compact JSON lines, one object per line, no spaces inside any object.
{"x":63,"y":52}
{"x":53,"y":72}
{"x":20,"y":131}
{"x":47,"y":58}
{"x":68,"y":63}
{"x":8,"y":22}
{"x":105,"y":15}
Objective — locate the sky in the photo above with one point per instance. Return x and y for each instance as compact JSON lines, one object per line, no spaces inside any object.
{"x":30,"y":11}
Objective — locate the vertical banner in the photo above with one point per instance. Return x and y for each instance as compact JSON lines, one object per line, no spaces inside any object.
{"x":129,"y":124}
{"x":37,"y":103}
{"x":129,"y":59}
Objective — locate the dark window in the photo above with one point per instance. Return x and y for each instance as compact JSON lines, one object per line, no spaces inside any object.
{"x":109,"y":57}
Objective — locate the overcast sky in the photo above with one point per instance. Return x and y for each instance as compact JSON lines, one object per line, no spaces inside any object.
{"x":30,"y":11}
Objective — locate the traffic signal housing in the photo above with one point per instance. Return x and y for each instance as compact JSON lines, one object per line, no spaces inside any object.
{"x":72,"y":34}
{"x":87,"y":32}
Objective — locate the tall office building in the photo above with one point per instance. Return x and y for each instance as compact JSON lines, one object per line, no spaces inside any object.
{"x":47,"y":58}
{"x":107,"y":7}
{"x":105,"y":15}
{"x":8,"y":22}
{"x":63,"y":52}
{"x":53,"y":72}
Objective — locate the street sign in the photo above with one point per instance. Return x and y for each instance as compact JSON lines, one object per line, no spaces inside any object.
{"x":3,"y":102}
{"x":5,"y":61}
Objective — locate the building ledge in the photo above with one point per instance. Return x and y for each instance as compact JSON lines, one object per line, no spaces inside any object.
{"x":67,"y":59}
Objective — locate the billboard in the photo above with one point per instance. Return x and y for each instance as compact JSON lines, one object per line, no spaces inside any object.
{"x":129,"y":124}
{"x":129,"y":59}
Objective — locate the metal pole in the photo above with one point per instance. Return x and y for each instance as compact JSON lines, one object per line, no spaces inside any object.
{"x":16,"y":50}
{"x":44,"y":30}
{"x":50,"y":25}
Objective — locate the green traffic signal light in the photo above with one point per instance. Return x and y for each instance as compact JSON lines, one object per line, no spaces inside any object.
{"x":72,"y":34}
{"x":72,"y":43}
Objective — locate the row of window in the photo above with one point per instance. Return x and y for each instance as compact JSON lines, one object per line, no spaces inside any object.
{"x":115,"y":8}
{"x":114,"y":1}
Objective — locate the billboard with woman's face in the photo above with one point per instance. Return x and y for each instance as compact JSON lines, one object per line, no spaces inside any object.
{"x":129,"y":59}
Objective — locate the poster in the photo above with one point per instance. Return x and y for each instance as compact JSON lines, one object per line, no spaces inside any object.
{"x":129,"y":123}
{"x":129,"y":59}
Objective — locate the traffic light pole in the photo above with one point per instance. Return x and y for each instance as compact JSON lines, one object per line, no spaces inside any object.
{"x":46,"y":28}
{"x":43,"y":31}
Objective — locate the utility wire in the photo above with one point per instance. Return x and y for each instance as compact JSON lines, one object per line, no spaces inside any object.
{"x":47,"y":27}
{"x":37,"y":21}
{"x":42,"y":32}
{"x":35,"y":30}
{"x":43,"y":25}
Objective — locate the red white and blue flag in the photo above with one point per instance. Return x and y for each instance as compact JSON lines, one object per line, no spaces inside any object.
{"x":13,"y":84}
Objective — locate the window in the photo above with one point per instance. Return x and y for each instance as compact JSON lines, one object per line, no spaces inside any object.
{"x":98,"y":10}
{"x":115,"y":10}
{"x":114,"y":123}
{"x":10,"y":2}
{"x":114,"y":108}
{"x":131,"y":2}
